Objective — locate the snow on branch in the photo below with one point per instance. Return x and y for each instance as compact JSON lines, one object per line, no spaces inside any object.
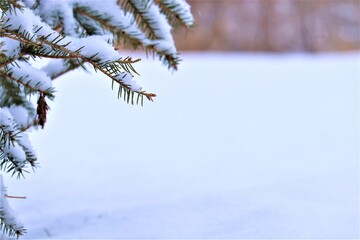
{"x":153,"y":22}
{"x":30,"y":77}
{"x":15,"y":149}
{"x":8,"y":223}
{"x":43,"y":41}
{"x":57,"y":67}
{"x":177,"y":12}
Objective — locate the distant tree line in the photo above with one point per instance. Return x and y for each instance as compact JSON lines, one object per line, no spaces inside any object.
{"x":274,"y":25}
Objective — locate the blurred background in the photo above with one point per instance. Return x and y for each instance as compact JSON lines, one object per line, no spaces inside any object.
{"x":273,"y":26}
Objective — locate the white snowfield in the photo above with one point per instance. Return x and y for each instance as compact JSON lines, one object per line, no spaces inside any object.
{"x":235,"y":146}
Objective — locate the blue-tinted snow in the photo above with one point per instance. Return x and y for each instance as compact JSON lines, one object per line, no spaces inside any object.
{"x":234,"y":146}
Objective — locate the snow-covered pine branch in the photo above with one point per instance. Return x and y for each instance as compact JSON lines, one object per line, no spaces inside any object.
{"x":9,"y":225}
{"x":177,"y":12}
{"x":72,"y":34}
{"x":16,"y":151}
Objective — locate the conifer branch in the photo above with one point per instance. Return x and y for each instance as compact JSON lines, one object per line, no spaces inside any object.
{"x":13,"y":95}
{"x":8,"y":224}
{"x":154,"y":36}
{"x":7,"y":137}
{"x":139,"y":10}
{"x":9,"y":5}
{"x":25,"y":83}
{"x":158,"y":31}
{"x":10,"y":229}
{"x":132,"y":39}
{"x":112,"y":69}
{"x":177,"y":15}
{"x":12,"y":137}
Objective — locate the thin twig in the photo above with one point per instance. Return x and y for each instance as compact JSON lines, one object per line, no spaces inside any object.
{"x":16,"y":197}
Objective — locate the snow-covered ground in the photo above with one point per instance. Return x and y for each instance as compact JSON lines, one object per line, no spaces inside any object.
{"x":234,"y":146}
